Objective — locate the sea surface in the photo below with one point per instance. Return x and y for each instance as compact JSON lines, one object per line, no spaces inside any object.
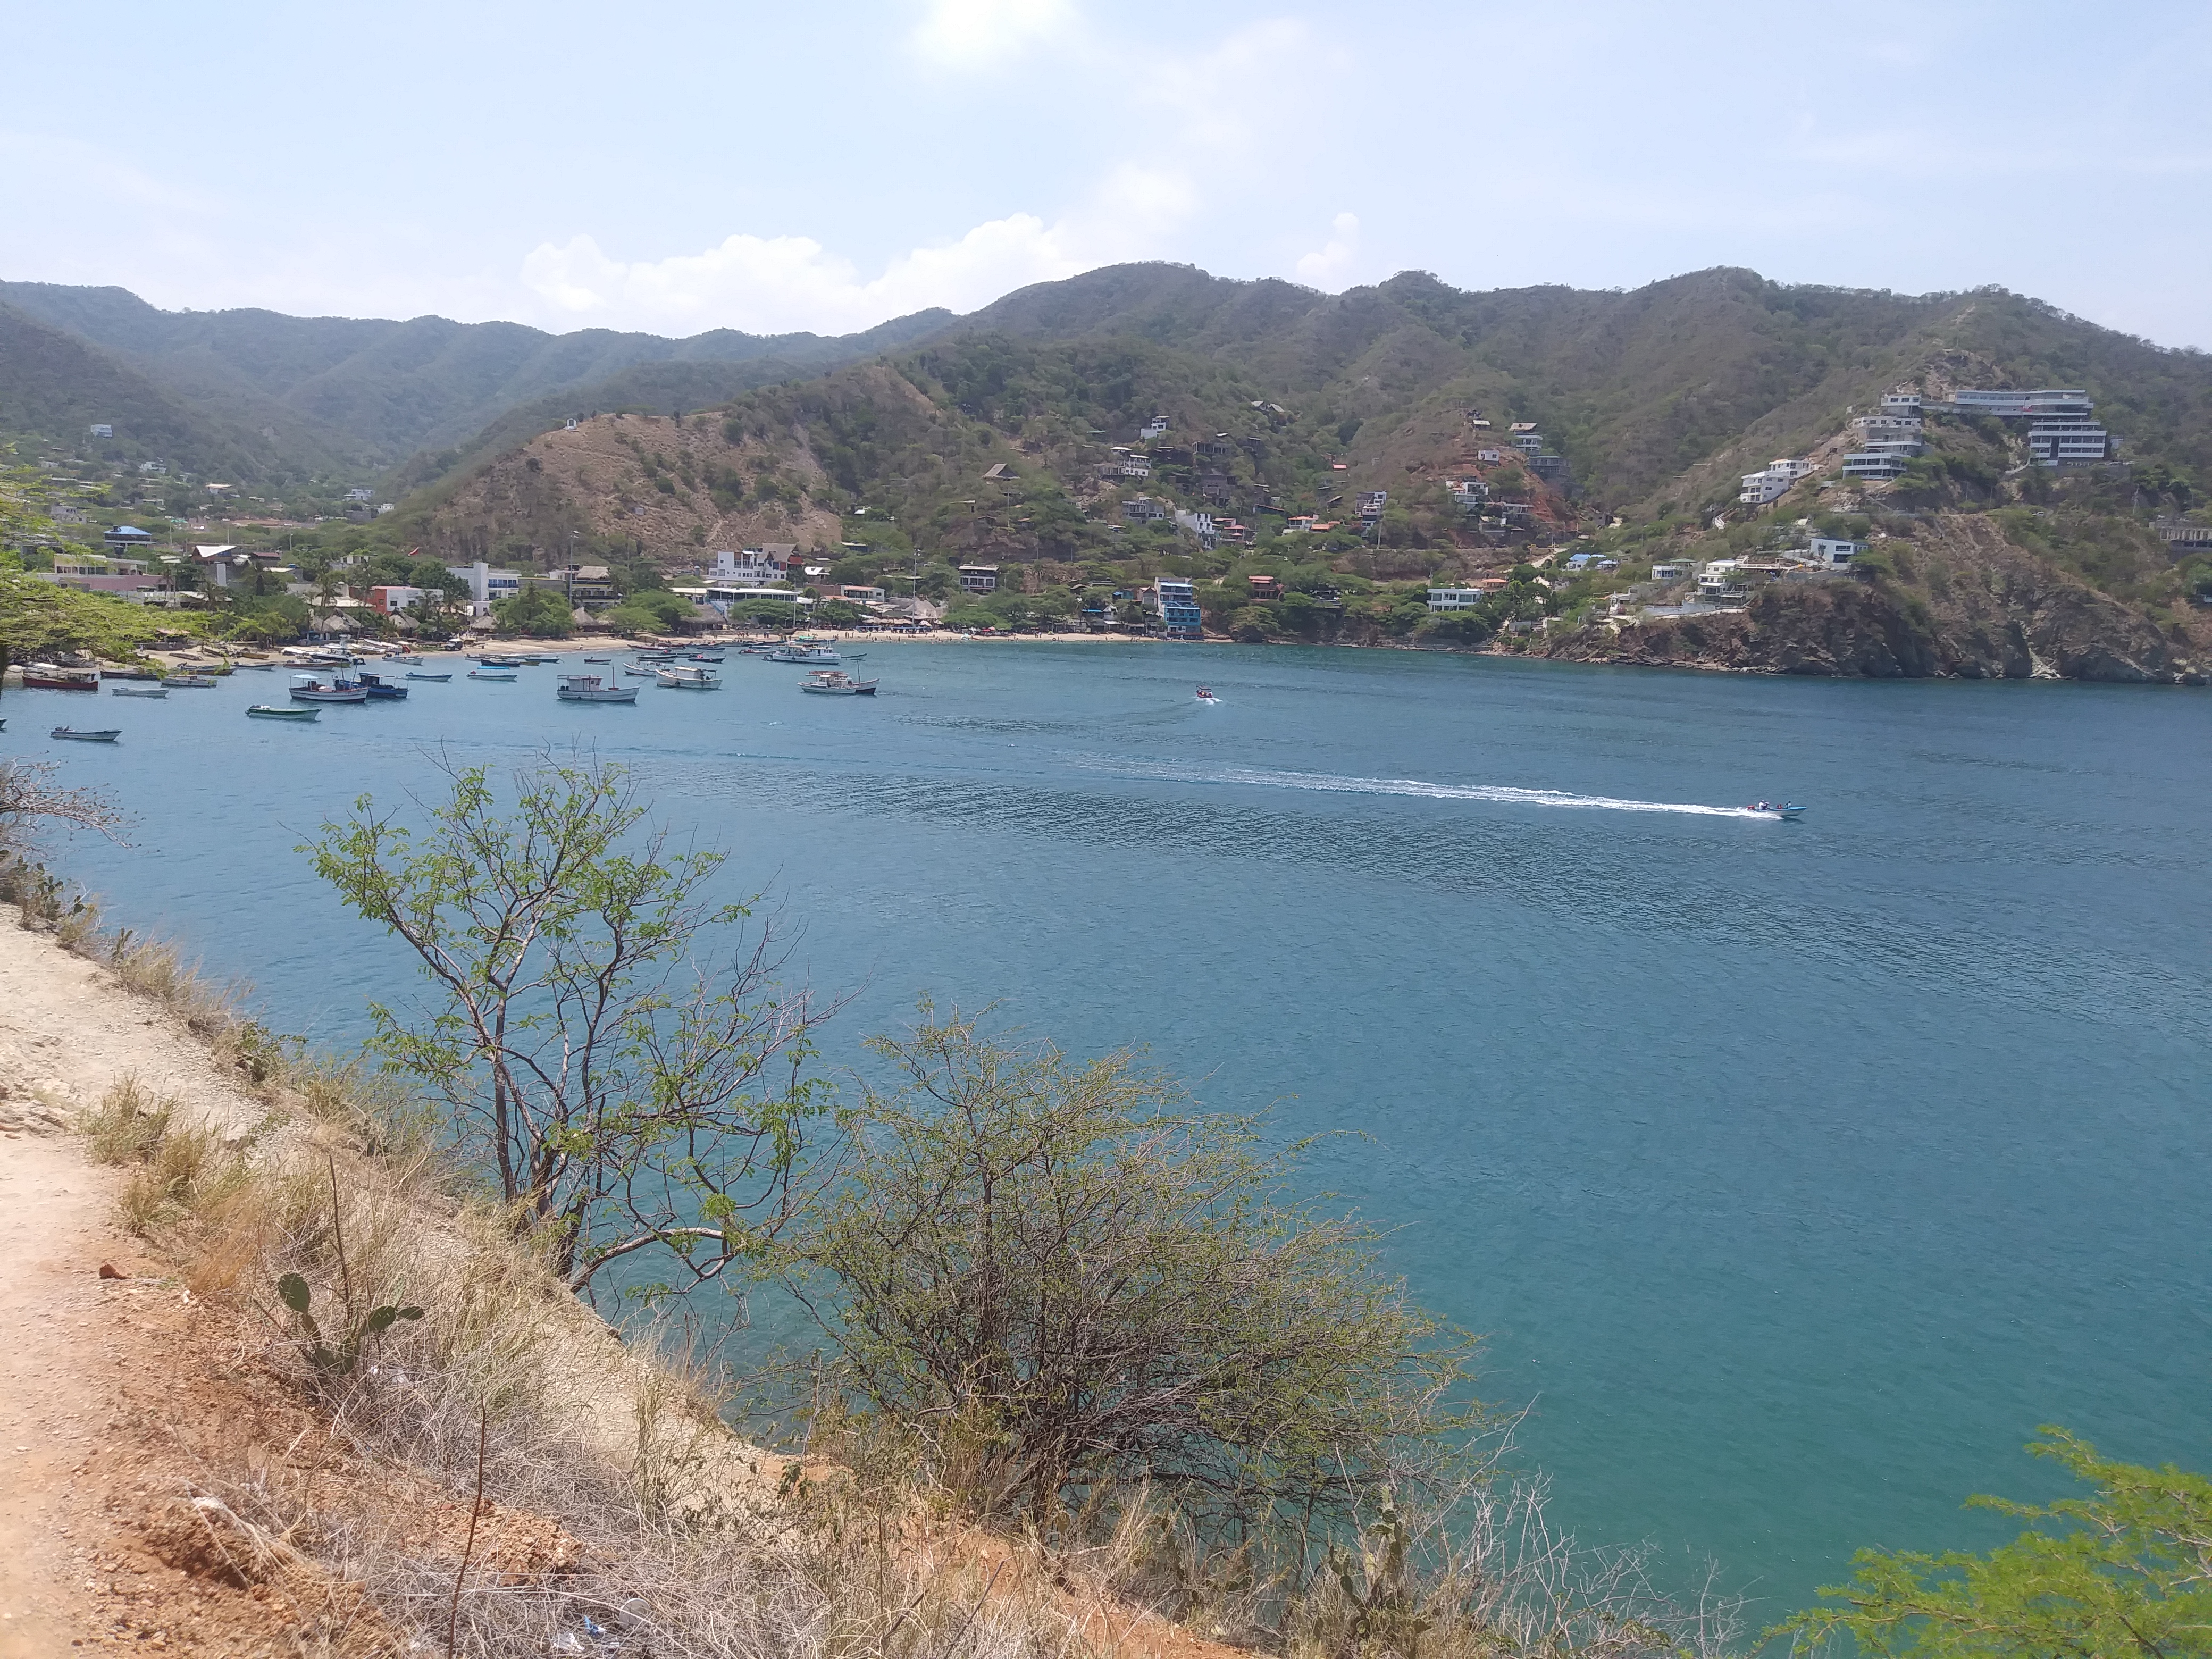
{"x":1795,"y":1172}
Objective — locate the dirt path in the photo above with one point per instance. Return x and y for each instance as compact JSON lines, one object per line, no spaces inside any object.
{"x":95,"y":1374}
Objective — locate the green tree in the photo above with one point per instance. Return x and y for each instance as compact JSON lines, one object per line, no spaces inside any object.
{"x":2126,"y":1571}
{"x":539,"y":612}
{"x":627,"y":1096}
{"x":1065,"y":1280}
{"x":40,"y":619}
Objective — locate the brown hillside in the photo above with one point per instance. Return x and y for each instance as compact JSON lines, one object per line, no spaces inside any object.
{"x":676,"y":488}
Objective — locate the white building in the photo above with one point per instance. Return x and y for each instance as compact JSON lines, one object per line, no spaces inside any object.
{"x":1153,"y":427}
{"x":2068,"y":443}
{"x":748,"y":565}
{"x":1677,"y":570}
{"x":1456,"y":598}
{"x":1888,"y":426}
{"x":487,"y":587}
{"x":1717,"y":580}
{"x":1874,"y":465}
{"x":1834,"y":553}
{"x":360,"y":495}
{"x":1200,"y":524}
{"x":1772,"y":480}
{"x":103,"y":430}
{"x":2017,"y":405}
{"x":978,"y":578}
{"x":1901,"y":403}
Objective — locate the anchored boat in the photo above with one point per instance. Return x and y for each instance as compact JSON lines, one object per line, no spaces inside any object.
{"x":837,"y":682}
{"x":590,"y":688}
{"x":263,"y":711}
{"x":306,"y":688}
{"x":683,"y":677}
{"x":75,"y":736}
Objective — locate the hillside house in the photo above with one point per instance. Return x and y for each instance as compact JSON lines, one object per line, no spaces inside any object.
{"x":1143,"y":509}
{"x":487,"y":587}
{"x":126,"y":538}
{"x":1466,"y":597}
{"x":1153,"y":427}
{"x":1265,"y":587}
{"x":853,"y":593}
{"x":102,"y":429}
{"x":1200,"y":524}
{"x":1774,"y":479}
{"x":1372,"y":501}
{"x":978,"y":578}
{"x":1489,"y":456}
{"x":1901,"y":403}
{"x":1874,"y":466}
{"x":1176,"y":604}
{"x":1673,"y":570}
{"x":2068,"y":443}
{"x":1835,"y":552}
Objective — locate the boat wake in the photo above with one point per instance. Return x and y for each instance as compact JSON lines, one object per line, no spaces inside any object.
{"x":1504,"y":794}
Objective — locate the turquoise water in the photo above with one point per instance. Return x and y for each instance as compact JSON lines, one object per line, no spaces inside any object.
{"x":1796,"y":1172}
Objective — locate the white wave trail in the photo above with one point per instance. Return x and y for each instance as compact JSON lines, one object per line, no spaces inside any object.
{"x":1332,"y":784}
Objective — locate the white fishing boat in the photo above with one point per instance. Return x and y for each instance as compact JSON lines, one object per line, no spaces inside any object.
{"x":837,"y":682}
{"x":188,"y":682}
{"x":491,"y":673}
{"x":591,"y":688}
{"x":796,"y":651}
{"x":72,"y":734}
{"x":306,"y":688}
{"x":687,"y":677}
{"x":137,"y":691}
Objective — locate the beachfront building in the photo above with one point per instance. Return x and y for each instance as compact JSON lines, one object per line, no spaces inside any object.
{"x":487,"y":587}
{"x":391,"y":601}
{"x":1460,"y":598}
{"x":978,"y":578}
{"x":1177,"y":604}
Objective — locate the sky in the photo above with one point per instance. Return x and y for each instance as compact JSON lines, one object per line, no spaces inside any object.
{"x":674,"y":166}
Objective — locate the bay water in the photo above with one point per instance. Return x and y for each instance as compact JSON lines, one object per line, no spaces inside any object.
{"x":1794,"y":1172}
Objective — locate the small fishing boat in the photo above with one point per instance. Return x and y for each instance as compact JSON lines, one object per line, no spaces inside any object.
{"x":410,"y":662}
{"x":138,"y":692}
{"x":637,"y":670}
{"x":705,"y":656}
{"x":188,"y":681}
{"x":129,"y":674}
{"x":306,"y":688}
{"x":44,"y":676}
{"x":441,"y":678}
{"x":1775,"y":809}
{"x":798,"y":652}
{"x":75,"y":736}
{"x":263,"y":711}
{"x":606,"y":660}
{"x":837,"y":682}
{"x":495,"y":674}
{"x":379,"y":689}
{"x":685,"y":677}
{"x":591,"y":688}
{"x":504,"y":662}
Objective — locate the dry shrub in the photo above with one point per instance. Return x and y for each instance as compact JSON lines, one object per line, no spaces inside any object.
{"x":129,"y":1124}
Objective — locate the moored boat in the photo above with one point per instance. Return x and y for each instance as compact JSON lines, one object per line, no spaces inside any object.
{"x":796,"y":651}
{"x":837,"y":682}
{"x":591,"y":688}
{"x":138,"y":692}
{"x":306,"y":688}
{"x":379,"y":689}
{"x":188,"y":681}
{"x":44,"y":676}
{"x":263,"y":711}
{"x":441,"y":678}
{"x":685,"y":676}
{"x":491,"y":674}
{"x":75,"y":736}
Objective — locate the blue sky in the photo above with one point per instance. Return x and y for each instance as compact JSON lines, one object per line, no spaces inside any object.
{"x":673,"y":166}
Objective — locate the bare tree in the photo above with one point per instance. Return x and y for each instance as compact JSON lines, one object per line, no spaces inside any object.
{"x":29,"y":799}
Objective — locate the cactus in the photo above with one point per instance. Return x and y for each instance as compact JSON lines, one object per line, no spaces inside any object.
{"x":343,"y":1360}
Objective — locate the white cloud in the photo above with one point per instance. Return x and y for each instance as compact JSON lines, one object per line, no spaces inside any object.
{"x":977,"y":35}
{"x":1328,"y":267}
{"x":777,"y":284}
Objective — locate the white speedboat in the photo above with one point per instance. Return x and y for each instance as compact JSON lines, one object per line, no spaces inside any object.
{"x":590,"y":688}
{"x":1775,"y":809}
{"x":837,"y":682}
{"x":796,"y":653}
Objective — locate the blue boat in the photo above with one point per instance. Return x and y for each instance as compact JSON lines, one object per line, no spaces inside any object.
{"x":1772,"y":809}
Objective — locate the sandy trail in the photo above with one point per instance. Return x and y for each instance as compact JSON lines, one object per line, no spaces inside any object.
{"x":84,"y":1360}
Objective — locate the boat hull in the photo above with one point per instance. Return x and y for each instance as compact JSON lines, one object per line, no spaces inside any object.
{"x":71,"y":735}
{"x":58,"y":682}
{"x":261,"y":711}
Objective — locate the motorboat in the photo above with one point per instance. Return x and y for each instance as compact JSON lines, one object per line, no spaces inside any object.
{"x":44,"y":676}
{"x":686,"y":677}
{"x":638,"y":670}
{"x":440,"y":678}
{"x":263,"y":711}
{"x":603,"y":659}
{"x":306,"y":688}
{"x":138,"y":692}
{"x":837,"y":682}
{"x":129,"y":674}
{"x":75,"y":736}
{"x":797,"y":653}
{"x":408,"y":662}
{"x":1775,"y":809}
{"x":379,"y":689}
{"x":489,"y":661}
{"x":591,"y":688}
{"x":1205,"y":694}
{"x":492,"y":674}
{"x":188,"y":681}
{"x":704,"y":656}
